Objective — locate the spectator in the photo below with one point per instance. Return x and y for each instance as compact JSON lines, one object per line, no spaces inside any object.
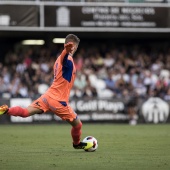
{"x":167,"y":95}
{"x":80,"y":84}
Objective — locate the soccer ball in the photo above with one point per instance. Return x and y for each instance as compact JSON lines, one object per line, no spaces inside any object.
{"x":93,"y":140}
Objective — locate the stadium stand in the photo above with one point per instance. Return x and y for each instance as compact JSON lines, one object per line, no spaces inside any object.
{"x":132,"y":69}
{"x":103,"y":70}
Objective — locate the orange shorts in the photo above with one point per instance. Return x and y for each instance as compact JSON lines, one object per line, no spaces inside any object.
{"x":60,"y":108}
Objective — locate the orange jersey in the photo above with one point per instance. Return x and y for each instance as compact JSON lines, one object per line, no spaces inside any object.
{"x":64,"y":75}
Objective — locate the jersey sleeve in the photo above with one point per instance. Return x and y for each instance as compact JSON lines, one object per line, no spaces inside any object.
{"x":64,"y":58}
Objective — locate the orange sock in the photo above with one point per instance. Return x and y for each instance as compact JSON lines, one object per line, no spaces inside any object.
{"x":76,"y":133}
{"x":18,"y":111}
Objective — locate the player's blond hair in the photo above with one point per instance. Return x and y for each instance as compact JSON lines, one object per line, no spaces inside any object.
{"x":72,"y":38}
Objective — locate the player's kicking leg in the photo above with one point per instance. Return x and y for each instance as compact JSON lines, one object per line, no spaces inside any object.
{"x":76,"y":134}
{"x":19,"y":111}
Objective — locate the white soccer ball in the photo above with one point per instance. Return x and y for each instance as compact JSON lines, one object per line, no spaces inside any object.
{"x":93,"y":140}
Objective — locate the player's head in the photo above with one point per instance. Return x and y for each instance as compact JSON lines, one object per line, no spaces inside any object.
{"x":74,"y":39}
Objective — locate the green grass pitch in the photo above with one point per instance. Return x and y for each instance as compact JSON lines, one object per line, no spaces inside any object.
{"x":121,"y":147}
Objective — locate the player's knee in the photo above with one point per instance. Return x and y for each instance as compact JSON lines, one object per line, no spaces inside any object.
{"x":80,"y":125}
{"x":32,"y":110}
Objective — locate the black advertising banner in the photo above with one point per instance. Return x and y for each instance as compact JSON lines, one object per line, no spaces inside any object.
{"x":152,"y":110}
{"x":107,"y":16}
{"x":100,"y":110}
{"x":19,"y":15}
{"x":83,"y":17}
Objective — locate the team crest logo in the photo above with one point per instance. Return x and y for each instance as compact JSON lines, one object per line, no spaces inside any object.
{"x":155,"y":110}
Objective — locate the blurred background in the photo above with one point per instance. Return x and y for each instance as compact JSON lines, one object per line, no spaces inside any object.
{"x":123,"y":60}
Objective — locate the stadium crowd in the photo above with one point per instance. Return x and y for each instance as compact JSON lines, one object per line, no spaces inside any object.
{"x":104,"y":70}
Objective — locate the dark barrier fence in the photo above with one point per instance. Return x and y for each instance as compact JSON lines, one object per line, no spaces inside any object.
{"x":153,"y":110}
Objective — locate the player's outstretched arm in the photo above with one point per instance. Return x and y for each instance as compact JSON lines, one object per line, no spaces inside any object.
{"x":68,"y":48}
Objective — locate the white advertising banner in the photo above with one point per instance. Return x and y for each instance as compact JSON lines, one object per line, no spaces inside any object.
{"x":23,"y":102}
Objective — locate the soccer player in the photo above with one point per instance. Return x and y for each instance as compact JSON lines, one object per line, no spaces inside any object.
{"x":56,"y":98}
